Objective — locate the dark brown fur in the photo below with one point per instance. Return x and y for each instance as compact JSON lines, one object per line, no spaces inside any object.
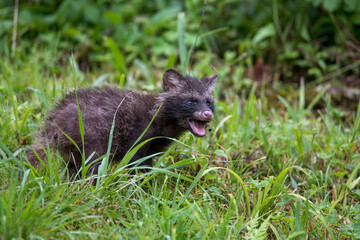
{"x":183,"y":100}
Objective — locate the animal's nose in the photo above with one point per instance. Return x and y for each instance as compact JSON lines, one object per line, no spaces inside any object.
{"x":207,"y":115}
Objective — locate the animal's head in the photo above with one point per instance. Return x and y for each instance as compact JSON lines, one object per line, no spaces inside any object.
{"x":188,"y":100}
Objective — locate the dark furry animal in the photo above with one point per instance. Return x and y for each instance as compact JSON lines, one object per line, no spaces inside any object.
{"x":185,"y":103}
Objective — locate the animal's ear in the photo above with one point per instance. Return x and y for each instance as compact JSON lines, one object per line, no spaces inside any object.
{"x":172,"y":79}
{"x":210,"y":82}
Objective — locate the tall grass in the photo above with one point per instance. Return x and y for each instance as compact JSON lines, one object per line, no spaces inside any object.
{"x":261,"y":173}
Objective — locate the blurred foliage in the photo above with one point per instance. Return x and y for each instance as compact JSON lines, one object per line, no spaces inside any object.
{"x":307,"y":38}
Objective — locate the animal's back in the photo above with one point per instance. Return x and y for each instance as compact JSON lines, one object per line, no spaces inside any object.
{"x":97,"y":108}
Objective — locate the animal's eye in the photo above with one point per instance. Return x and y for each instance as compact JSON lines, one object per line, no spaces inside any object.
{"x":208,"y":103}
{"x":190,"y":101}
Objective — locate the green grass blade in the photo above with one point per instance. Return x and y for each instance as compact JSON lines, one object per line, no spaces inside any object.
{"x":244,"y":188}
{"x":181,"y":42}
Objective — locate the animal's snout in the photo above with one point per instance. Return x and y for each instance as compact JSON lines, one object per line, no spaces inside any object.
{"x":207,"y":115}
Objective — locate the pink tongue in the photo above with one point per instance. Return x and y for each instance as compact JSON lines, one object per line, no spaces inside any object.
{"x":198,"y":127}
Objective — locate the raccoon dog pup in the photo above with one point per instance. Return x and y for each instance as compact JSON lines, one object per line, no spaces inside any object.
{"x":186,"y":103}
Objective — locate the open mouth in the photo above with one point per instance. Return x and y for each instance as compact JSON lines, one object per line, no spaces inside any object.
{"x":198,"y":127}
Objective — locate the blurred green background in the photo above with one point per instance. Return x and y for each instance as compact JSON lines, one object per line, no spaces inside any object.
{"x":274,"y":40}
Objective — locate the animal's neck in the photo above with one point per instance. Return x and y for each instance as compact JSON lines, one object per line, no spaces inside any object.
{"x":165,"y":123}
{"x":164,"y":127}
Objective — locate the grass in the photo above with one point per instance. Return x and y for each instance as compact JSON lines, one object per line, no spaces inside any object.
{"x":289,"y":172}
